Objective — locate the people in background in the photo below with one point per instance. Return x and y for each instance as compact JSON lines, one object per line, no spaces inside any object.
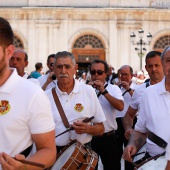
{"x":140,"y":77}
{"x":49,"y":80}
{"x":83,"y":78}
{"x":110,"y":98}
{"x":19,"y":60}
{"x":37,"y":73}
{"x":111,"y":75}
{"x":127,"y":88}
{"x":155,"y":71}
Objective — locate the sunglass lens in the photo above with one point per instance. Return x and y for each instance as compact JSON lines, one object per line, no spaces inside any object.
{"x":93,"y":72}
{"x":99,"y":72}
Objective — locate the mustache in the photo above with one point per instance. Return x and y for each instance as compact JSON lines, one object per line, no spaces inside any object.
{"x":63,"y":75}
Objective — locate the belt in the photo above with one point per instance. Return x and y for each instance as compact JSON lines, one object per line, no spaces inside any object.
{"x":106,"y":134}
{"x":27,"y":151}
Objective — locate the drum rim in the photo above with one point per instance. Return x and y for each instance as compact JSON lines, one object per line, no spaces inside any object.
{"x":65,"y":148}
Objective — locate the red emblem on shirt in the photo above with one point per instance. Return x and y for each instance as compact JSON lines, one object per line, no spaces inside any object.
{"x":78,"y":107}
{"x":4,"y":107}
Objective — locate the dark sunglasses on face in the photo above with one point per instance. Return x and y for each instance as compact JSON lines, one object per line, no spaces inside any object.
{"x":99,"y":72}
{"x":51,"y":64}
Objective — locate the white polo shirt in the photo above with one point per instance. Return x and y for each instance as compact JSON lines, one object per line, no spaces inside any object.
{"x":81,"y":103}
{"x":109,"y":111}
{"x":154,"y":115}
{"x":137,"y":95}
{"x":24,"y":110}
{"x":127,"y":98}
{"x":43,"y":79}
{"x":25,"y":76}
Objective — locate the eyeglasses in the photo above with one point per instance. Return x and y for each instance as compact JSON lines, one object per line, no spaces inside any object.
{"x":51,"y":64}
{"x":99,"y":72}
{"x":124,"y":74}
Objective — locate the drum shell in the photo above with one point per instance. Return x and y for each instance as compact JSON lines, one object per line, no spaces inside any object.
{"x":81,"y":156}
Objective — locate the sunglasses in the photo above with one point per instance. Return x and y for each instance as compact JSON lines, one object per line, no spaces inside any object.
{"x":99,"y":72}
{"x":51,"y":64}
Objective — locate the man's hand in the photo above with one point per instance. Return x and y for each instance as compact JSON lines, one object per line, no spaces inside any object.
{"x":99,"y":85}
{"x":80,"y":127}
{"x":125,"y":85}
{"x":128,"y":133}
{"x":49,"y":79}
{"x":9,"y":163}
{"x":128,"y":152}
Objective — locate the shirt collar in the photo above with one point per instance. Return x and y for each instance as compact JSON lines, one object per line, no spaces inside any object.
{"x":9,"y":85}
{"x":76,"y":88}
{"x":25,"y":75}
{"x":161,"y":88}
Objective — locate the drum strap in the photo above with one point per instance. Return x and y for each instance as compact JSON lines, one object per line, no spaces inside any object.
{"x":60,"y":109}
{"x":146,"y":159}
{"x":147,"y":84}
{"x":157,"y":140}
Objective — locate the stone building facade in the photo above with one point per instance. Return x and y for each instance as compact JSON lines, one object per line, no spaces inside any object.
{"x":90,"y":29}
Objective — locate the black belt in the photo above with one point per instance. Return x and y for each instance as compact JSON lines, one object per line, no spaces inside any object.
{"x":106,"y":134}
{"x":27,"y":151}
{"x":157,"y":140}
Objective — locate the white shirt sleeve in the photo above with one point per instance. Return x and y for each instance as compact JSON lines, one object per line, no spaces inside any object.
{"x":142,"y":117}
{"x":40,"y":109}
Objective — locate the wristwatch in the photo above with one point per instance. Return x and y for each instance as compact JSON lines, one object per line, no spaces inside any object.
{"x":105,"y":91}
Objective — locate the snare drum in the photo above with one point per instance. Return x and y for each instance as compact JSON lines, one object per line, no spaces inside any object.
{"x":75,"y":156}
{"x":154,"y":164}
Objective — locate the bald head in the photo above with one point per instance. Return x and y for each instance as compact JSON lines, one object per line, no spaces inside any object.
{"x":19,"y":60}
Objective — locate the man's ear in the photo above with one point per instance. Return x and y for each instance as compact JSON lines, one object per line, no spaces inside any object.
{"x":10,"y":51}
{"x":26,"y":63}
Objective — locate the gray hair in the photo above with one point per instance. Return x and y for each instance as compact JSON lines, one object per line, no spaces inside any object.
{"x":65,"y":54}
{"x":167,"y":48}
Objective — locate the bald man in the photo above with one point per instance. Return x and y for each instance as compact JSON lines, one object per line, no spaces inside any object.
{"x":19,"y":60}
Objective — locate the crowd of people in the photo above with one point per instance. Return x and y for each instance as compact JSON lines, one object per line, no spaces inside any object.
{"x":126,"y":113}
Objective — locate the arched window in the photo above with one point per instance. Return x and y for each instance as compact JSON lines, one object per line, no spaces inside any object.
{"x":87,"y":48}
{"x":18,"y":43}
{"x":162,"y":42}
{"x":88,"y":41}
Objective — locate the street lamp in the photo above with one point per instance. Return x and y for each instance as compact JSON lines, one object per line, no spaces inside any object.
{"x":140,"y":44}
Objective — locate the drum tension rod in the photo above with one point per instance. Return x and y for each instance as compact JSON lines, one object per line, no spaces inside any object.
{"x":85,"y":155}
{"x":80,"y":165}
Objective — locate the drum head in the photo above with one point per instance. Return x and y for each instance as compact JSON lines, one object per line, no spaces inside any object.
{"x":62,"y":159}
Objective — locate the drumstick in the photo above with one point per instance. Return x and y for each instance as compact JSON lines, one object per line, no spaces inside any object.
{"x":137,"y":154}
{"x":87,"y":120}
{"x":31,"y":163}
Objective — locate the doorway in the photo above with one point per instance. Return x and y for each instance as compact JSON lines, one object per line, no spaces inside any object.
{"x":86,"y":49}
